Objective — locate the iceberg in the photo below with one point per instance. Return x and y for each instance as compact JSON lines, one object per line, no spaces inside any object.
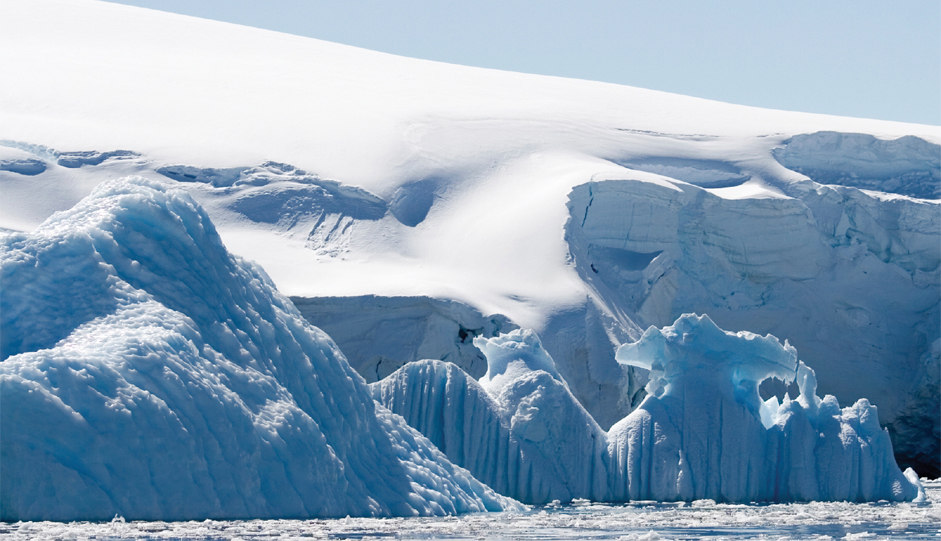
{"x":702,"y":432}
{"x":584,"y":211}
{"x":518,"y":429}
{"x":148,"y":373}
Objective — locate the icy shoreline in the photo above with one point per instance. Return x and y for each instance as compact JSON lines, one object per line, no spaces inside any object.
{"x":581,"y":520}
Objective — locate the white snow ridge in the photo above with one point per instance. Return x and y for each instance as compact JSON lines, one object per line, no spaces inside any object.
{"x":486,"y":248}
{"x":147,"y":372}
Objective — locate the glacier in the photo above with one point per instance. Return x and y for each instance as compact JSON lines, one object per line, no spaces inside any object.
{"x":409,"y":207}
{"x":148,"y":373}
{"x":703,"y":431}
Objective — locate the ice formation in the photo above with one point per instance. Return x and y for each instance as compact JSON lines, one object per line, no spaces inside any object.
{"x":703,"y":431}
{"x":519,"y":429}
{"x":584,"y":211}
{"x":379,"y":335}
{"x":850,"y":278}
{"x":148,"y":373}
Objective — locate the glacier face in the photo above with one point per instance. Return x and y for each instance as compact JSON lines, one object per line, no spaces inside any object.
{"x":702,"y":432}
{"x":850,"y":277}
{"x":148,"y":373}
{"x":379,"y":335}
{"x":489,"y":188}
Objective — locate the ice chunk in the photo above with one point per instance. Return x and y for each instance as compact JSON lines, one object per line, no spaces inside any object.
{"x":519,"y":430}
{"x":702,"y":433}
{"x":705,"y":433}
{"x":512,"y":355}
{"x":150,"y":374}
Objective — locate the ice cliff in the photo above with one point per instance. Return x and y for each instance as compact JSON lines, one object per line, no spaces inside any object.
{"x":409,"y":206}
{"x":148,"y":373}
{"x":702,"y":432}
{"x":850,"y":277}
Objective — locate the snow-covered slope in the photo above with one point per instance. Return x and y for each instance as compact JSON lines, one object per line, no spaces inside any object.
{"x":148,"y":373}
{"x":585,"y":211}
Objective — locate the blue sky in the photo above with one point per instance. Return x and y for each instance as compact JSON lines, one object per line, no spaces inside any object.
{"x":862,"y":58}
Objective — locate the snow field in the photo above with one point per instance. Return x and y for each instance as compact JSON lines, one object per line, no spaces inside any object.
{"x":584,"y":211}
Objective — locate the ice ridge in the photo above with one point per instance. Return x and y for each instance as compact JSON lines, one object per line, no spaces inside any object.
{"x":147,"y":372}
{"x":702,"y":432}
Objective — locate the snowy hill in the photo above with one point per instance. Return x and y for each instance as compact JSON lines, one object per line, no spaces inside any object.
{"x":582,"y":210}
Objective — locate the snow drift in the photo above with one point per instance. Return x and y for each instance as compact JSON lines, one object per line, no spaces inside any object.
{"x":702,"y":432}
{"x":148,"y":373}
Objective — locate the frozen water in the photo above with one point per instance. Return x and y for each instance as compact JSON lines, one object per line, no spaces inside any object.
{"x":149,"y":373}
{"x":584,"y":211}
{"x":820,"y":521}
{"x":702,"y":432}
{"x":908,"y":165}
{"x":823,"y":267}
{"x":519,"y":430}
{"x":379,"y":335}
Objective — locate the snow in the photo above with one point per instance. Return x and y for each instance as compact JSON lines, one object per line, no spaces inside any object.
{"x":703,"y":432}
{"x":149,"y":373}
{"x":584,"y":211}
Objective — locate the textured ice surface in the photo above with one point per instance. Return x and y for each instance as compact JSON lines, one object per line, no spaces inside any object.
{"x":380,"y":334}
{"x":702,"y":432}
{"x":817,"y":228}
{"x":908,"y":165}
{"x":519,"y":430}
{"x":147,"y":372}
{"x":850,"y":278}
{"x":581,"y":520}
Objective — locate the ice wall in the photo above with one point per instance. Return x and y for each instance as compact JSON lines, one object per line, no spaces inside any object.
{"x":148,"y":373}
{"x":907,"y":165}
{"x":851,"y":278}
{"x":519,"y":429}
{"x":702,"y":432}
{"x":379,"y":335}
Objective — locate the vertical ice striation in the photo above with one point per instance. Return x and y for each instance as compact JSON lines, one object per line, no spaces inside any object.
{"x":147,"y":372}
{"x":519,"y":430}
{"x":702,"y":432}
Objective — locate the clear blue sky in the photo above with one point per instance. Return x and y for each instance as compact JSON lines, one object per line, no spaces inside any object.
{"x":863,"y":58}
